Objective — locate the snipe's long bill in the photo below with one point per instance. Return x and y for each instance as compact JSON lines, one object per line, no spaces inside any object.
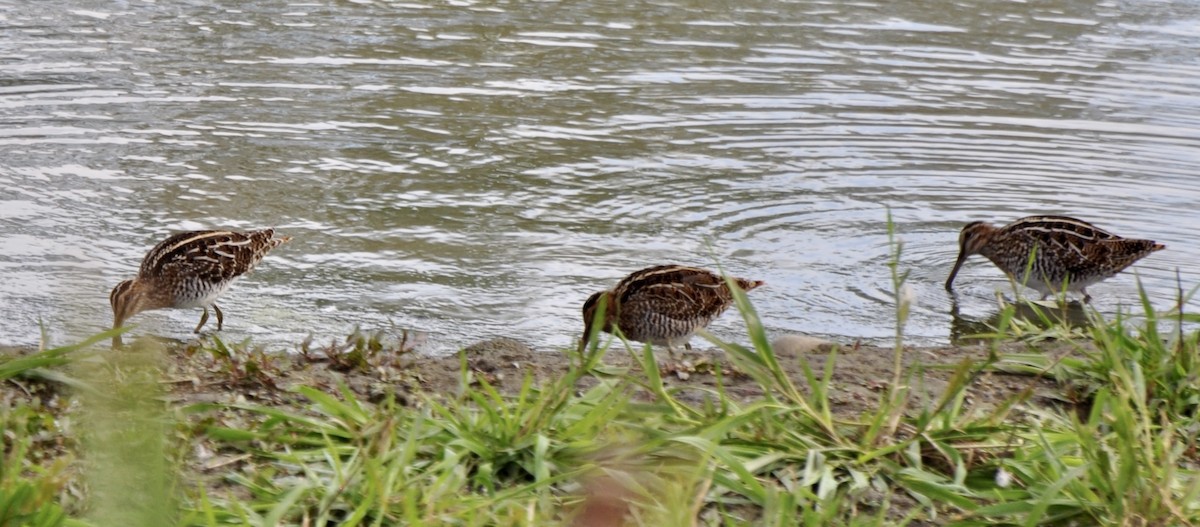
{"x":1059,"y":252}
{"x":190,"y":270}
{"x":662,"y":305}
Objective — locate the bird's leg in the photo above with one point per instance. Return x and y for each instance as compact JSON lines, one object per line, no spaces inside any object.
{"x":203,"y":319}
{"x":687,"y":346}
{"x":220,"y":317}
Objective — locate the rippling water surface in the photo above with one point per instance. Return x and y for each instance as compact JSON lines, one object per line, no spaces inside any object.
{"x":474,"y":169}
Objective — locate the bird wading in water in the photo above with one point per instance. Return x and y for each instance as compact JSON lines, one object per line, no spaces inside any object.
{"x":1058,"y":252}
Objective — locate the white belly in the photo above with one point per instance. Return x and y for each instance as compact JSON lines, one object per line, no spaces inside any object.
{"x":202,"y":296}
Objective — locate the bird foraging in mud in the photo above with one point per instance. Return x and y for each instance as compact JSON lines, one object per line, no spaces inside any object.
{"x":662,"y":305}
{"x":189,"y":270}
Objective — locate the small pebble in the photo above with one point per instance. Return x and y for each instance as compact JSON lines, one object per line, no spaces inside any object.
{"x":796,"y":344}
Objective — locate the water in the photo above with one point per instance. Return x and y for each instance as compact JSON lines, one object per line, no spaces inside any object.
{"x":472,"y":169}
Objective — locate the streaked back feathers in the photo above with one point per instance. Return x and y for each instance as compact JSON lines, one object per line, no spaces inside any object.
{"x":210,"y":255}
{"x":680,"y":291}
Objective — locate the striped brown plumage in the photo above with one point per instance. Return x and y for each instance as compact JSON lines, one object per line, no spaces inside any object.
{"x":189,"y":270}
{"x":662,"y":305}
{"x":1066,"y":251}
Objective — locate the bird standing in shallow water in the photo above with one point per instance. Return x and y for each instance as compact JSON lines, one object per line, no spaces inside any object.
{"x":662,"y":305}
{"x":1064,"y":251}
{"x":191,"y":269}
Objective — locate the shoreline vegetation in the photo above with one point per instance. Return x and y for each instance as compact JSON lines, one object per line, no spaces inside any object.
{"x":1041,"y":423}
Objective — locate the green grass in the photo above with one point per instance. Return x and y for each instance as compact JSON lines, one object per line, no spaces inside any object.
{"x":602,"y":441}
{"x":36,"y":475}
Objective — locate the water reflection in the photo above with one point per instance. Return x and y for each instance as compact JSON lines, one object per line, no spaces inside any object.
{"x":1036,"y":315}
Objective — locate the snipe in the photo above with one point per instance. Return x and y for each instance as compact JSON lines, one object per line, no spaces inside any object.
{"x":662,"y":305}
{"x":189,"y":270}
{"x":1065,"y":251}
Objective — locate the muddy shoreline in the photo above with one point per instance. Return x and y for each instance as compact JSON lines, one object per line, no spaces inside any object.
{"x":201,"y":371}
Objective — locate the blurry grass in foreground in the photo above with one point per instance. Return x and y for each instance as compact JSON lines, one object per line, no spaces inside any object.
{"x":125,"y":429}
